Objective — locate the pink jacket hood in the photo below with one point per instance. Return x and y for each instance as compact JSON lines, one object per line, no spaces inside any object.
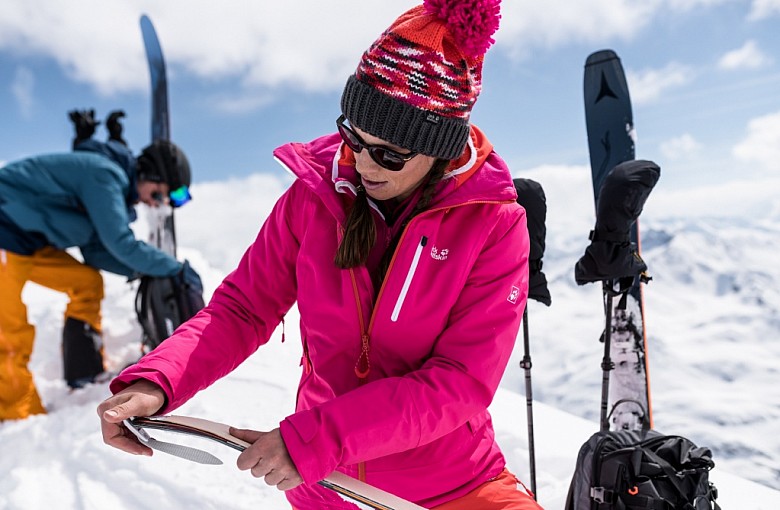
{"x":432,"y":343}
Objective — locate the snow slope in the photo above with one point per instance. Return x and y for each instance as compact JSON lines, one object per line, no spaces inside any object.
{"x":714,"y":317}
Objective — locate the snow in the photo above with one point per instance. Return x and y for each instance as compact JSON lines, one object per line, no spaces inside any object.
{"x":714,"y":317}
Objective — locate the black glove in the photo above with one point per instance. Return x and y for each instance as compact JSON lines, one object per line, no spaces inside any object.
{"x":84,"y":122}
{"x":114,"y":127}
{"x":188,"y":276}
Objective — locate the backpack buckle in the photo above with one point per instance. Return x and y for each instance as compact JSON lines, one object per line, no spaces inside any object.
{"x":601,"y":495}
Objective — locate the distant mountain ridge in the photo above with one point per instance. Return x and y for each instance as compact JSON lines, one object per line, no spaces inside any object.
{"x":713,"y":310}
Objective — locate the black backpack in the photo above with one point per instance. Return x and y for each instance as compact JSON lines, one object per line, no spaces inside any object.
{"x":629,"y":470}
{"x":162,"y":304}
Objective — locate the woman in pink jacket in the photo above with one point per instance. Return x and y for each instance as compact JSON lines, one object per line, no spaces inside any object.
{"x":407,"y":255}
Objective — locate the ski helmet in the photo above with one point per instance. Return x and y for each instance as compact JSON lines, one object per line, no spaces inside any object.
{"x":164,"y":161}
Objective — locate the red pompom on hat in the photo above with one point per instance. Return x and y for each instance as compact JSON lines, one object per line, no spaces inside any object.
{"x":416,"y":85}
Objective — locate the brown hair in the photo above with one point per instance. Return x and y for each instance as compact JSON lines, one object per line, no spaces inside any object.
{"x":360,"y":229}
{"x":359,"y":233}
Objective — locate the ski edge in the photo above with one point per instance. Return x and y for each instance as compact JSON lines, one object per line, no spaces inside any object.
{"x":159,"y":81}
{"x":351,"y":488}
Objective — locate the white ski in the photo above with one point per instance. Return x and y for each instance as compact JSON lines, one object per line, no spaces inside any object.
{"x":360,"y":493}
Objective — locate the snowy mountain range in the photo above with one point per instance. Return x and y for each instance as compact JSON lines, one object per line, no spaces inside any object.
{"x":713,"y":312}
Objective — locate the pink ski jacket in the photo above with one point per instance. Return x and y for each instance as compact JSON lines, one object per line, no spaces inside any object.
{"x":395,"y":382}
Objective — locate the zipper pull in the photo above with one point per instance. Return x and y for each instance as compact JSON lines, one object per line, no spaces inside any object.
{"x":363,"y":365}
{"x":305,"y":360}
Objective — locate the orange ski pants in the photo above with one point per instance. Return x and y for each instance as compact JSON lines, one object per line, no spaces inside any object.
{"x":57,"y":270}
{"x":500,"y":493}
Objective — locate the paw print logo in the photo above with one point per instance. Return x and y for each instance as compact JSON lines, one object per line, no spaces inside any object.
{"x":513,"y":295}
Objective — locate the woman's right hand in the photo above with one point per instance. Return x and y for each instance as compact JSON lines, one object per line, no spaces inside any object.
{"x":142,"y":398}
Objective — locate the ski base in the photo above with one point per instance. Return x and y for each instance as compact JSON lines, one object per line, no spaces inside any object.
{"x":354,"y":491}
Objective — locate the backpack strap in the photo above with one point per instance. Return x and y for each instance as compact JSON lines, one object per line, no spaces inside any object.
{"x":142,"y":305}
{"x":604,"y":496}
{"x":671,"y":474}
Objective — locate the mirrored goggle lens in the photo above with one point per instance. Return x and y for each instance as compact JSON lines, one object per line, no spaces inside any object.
{"x":180,"y":196}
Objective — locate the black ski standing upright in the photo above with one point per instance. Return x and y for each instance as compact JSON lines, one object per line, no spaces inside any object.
{"x":161,"y":303}
{"x":162,"y":233}
{"x":611,"y":139}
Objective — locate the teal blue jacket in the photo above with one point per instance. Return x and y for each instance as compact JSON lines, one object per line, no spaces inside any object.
{"x":78,"y":199}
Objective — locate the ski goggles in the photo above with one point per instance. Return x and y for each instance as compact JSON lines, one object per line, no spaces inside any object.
{"x":180,"y":196}
{"x":384,"y":157}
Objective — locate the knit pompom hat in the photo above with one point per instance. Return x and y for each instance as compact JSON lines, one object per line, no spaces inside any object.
{"x":416,"y":85}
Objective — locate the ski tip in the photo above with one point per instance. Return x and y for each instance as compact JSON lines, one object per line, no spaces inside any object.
{"x":600,"y":56}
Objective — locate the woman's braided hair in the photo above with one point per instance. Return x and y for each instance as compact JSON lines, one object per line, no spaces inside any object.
{"x":434,"y":177}
{"x":360,"y":229}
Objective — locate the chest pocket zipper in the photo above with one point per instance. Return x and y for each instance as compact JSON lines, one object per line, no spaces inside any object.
{"x":408,"y":281}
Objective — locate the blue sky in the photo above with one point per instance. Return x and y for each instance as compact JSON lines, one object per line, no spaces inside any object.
{"x":247,"y":76}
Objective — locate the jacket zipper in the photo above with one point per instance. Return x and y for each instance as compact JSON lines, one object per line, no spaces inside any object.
{"x":363,"y":365}
{"x":408,"y":281}
{"x":392,"y":261}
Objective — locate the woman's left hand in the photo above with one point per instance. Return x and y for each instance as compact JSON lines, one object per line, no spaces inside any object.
{"x":267,"y":458}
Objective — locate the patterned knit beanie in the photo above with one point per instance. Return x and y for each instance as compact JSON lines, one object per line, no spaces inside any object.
{"x":415,"y":86}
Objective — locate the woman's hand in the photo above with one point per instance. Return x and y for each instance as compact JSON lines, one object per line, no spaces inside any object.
{"x":142,"y":398}
{"x":267,"y":458}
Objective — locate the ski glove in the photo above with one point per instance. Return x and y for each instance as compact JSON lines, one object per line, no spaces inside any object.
{"x":115,"y":127}
{"x":84,"y":122}
{"x":189,"y":277}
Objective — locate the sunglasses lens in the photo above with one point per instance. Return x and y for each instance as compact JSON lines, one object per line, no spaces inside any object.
{"x":349,"y":138}
{"x":385,"y":158}
{"x":388,"y":159}
{"x":180,"y":196}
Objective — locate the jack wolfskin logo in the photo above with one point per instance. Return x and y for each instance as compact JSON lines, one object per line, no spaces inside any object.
{"x":513,"y":295}
{"x":439,"y":255}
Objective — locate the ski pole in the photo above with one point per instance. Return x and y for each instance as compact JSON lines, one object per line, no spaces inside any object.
{"x":606,"y":363}
{"x":525,"y":364}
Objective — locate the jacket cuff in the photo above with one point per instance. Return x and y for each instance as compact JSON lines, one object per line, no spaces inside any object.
{"x":129,"y":376}
{"x":300,"y":433}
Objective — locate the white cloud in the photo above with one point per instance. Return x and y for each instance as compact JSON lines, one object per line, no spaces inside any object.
{"x":687,"y":5}
{"x":739,"y":198}
{"x":240,"y":104}
{"x":22,"y":89}
{"x":306,"y":44}
{"x":649,"y":84}
{"x":570,"y":203}
{"x":527,"y":23}
{"x":749,"y":56}
{"x":681,"y":147}
{"x":762,"y":9}
{"x":761,"y":145}
{"x":95,"y":42}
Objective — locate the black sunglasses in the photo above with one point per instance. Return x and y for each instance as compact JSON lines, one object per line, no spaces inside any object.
{"x":384,"y":157}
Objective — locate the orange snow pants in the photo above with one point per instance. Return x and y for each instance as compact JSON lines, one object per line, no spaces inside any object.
{"x":500,"y":493}
{"x":57,"y":270}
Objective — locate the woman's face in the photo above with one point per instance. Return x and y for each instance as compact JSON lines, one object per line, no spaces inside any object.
{"x":384,"y":184}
